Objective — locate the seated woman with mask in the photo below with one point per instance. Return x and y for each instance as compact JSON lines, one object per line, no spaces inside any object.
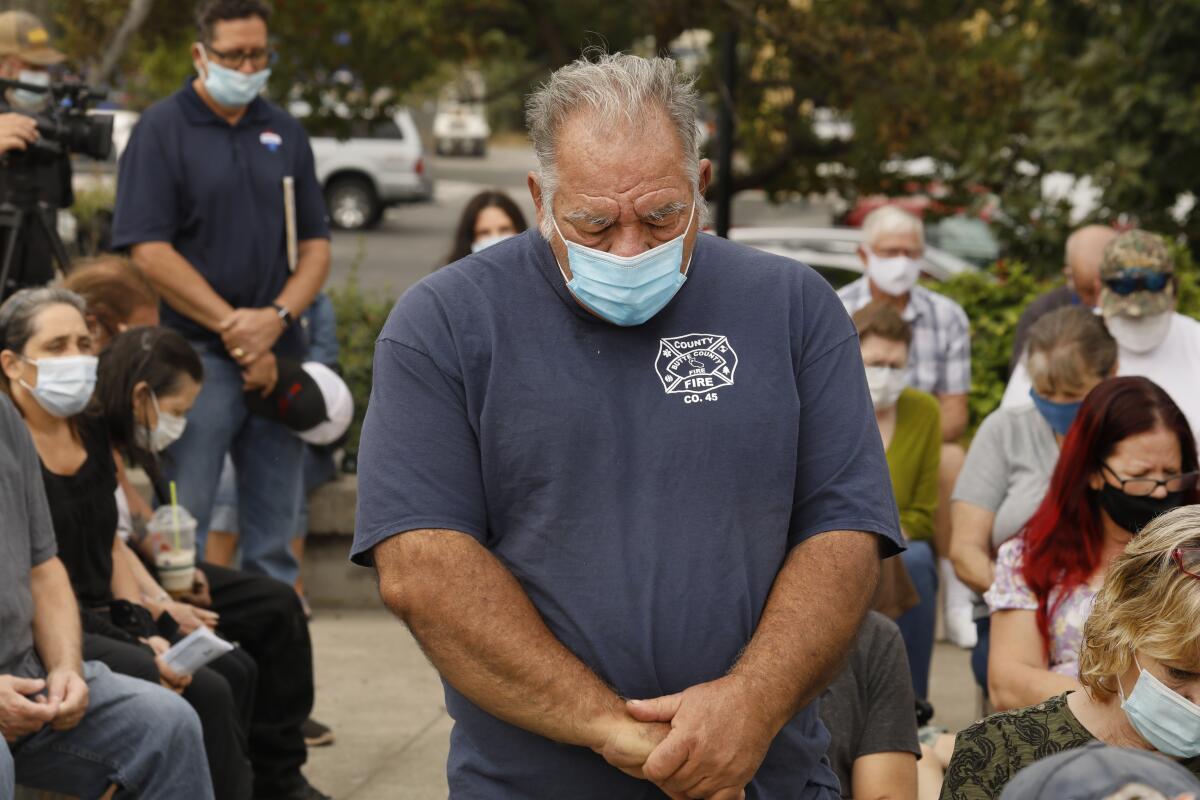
{"x":910,"y":424}
{"x":1139,"y":667}
{"x":1013,"y":454}
{"x":49,"y":372}
{"x":1129,"y":457}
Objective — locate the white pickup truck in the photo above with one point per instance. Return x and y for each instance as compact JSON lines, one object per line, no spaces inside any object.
{"x":381,"y":164}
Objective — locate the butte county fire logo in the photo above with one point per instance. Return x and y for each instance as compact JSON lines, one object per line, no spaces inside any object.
{"x":696,"y":365}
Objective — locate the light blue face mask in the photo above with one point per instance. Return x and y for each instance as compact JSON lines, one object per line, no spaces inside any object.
{"x":229,"y":87}
{"x":26,"y":99}
{"x":625,"y":290}
{"x":1168,"y":721}
{"x":64,"y":383}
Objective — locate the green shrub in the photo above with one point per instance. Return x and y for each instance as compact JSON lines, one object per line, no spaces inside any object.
{"x":360,"y":317}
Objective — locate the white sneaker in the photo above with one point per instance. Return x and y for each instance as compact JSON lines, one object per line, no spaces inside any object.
{"x":959,"y":607}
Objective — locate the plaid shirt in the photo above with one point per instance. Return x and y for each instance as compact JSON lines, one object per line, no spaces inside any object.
{"x":939,"y":360}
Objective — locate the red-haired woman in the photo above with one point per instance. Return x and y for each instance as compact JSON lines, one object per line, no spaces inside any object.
{"x":1129,"y":457}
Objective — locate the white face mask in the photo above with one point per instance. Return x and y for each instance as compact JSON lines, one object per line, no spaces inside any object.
{"x":64,"y":383}
{"x":166,"y":431}
{"x":894,"y":276}
{"x":488,"y":241}
{"x":27,"y":100}
{"x":1140,"y":334}
{"x":886,"y":384}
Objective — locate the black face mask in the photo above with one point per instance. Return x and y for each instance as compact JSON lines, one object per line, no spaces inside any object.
{"x":1134,"y":513}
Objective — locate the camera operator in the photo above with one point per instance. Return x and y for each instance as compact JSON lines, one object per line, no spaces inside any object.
{"x":25,"y":55}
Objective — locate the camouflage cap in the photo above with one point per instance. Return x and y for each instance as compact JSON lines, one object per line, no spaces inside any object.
{"x":1139,"y":253}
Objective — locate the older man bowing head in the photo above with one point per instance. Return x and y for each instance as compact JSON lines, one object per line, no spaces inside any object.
{"x":617,"y":459}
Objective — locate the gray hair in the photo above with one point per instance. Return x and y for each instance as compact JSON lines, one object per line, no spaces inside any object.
{"x":19,"y":311}
{"x":891,"y":219}
{"x":613,"y":87}
{"x":1067,"y":349}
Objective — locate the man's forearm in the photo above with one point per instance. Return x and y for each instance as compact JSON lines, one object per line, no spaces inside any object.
{"x":180,"y":284}
{"x":954,"y":416}
{"x":56,"y":632}
{"x":484,"y":636}
{"x":812,"y":614}
{"x":312,"y":268}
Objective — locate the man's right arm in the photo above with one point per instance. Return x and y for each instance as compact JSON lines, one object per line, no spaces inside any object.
{"x":180,"y":284}
{"x":478,"y":627}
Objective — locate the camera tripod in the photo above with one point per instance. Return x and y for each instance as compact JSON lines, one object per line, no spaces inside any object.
{"x":21,"y":213}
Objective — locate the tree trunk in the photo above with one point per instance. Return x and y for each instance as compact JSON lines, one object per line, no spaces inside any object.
{"x":134,"y":17}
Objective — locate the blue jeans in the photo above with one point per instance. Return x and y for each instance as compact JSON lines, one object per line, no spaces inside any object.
{"x":135,"y":734}
{"x":917,"y":624}
{"x":268,"y":458}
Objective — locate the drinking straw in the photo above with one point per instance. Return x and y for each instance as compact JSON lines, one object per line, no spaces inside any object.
{"x":175,"y":513}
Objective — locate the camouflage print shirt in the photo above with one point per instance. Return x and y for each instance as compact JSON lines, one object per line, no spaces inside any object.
{"x":991,"y":752}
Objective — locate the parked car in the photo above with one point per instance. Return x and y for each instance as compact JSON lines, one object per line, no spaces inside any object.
{"x":461,"y":128}
{"x":833,"y":252}
{"x":381,"y":164}
{"x":967,"y":235}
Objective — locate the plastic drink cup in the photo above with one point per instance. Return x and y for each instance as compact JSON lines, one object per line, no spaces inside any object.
{"x":172,"y":536}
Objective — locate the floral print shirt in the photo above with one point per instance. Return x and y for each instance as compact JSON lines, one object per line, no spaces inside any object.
{"x":1010,"y":591}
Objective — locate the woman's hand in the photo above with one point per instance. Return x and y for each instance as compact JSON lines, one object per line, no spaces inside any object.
{"x":189,"y":618}
{"x":175,"y":681}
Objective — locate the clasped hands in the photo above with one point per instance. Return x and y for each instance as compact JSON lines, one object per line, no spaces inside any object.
{"x":704,"y":742}
{"x":249,"y":334}
{"x":29,"y":704}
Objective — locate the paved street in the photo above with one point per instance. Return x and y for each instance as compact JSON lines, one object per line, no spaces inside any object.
{"x":384,"y":701}
{"x":413,"y":238}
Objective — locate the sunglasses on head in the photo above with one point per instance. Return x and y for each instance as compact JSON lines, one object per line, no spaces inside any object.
{"x":1128,"y":281}
{"x":1188,"y":560}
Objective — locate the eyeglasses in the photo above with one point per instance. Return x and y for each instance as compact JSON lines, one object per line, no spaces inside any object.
{"x":259,"y":57}
{"x":1128,"y":281}
{"x":1188,"y":560}
{"x":1143,"y":487}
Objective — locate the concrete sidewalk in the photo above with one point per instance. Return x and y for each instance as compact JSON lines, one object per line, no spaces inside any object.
{"x":384,"y":702}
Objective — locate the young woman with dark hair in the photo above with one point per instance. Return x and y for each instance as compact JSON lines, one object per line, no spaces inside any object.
{"x":147,"y":380}
{"x":488,"y":217}
{"x":1128,"y":457}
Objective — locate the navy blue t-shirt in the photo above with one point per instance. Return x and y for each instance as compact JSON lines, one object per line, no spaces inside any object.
{"x":643,"y":484}
{"x":215,"y":192}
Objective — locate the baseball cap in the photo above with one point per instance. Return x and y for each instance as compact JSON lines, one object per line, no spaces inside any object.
{"x":296,"y":400}
{"x":23,"y":35}
{"x":1098,"y":771}
{"x":1140,"y":260}
{"x":338,"y":402}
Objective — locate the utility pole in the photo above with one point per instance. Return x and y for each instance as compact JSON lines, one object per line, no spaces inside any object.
{"x":725,"y":129}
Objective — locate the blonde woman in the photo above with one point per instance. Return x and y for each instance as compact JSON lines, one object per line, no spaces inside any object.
{"x":1139,"y":666}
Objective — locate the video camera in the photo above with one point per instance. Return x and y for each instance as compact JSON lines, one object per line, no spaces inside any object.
{"x":36,"y":183}
{"x":65,"y":125}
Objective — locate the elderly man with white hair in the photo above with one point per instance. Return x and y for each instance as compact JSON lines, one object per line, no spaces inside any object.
{"x":612,"y":458}
{"x":939,"y":362}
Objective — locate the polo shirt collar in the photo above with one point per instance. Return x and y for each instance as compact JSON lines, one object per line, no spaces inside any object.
{"x":197,"y":111}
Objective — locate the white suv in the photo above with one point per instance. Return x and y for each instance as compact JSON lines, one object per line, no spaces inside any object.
{"x":381,"y":164}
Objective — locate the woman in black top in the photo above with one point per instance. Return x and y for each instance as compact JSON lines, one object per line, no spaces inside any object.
{"x":49,"y":372}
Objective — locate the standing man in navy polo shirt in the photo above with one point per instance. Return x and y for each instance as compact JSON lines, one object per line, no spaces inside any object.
{"x":200,"y":203}
{"x":614,"y":458}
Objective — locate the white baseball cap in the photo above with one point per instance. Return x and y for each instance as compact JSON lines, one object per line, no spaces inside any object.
{"x":339,"y":405}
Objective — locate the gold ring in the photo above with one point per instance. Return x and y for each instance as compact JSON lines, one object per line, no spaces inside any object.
{"x":238,"y":352}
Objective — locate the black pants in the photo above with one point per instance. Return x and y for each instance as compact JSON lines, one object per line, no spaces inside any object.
{"x":217,"y":692}
{"x":264,"y":616}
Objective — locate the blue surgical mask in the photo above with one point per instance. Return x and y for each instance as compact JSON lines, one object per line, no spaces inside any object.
{"x":229,"y":87}
{"x":64,"y":384}
{"x":626,"y":290}
{"x":1168,"y":721}
{"x":1059,"y":415}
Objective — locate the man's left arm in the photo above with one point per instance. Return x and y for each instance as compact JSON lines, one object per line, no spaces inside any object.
{"x":59,"y":641}
{"x":252,"y":328}
{"x":721,"y":729}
